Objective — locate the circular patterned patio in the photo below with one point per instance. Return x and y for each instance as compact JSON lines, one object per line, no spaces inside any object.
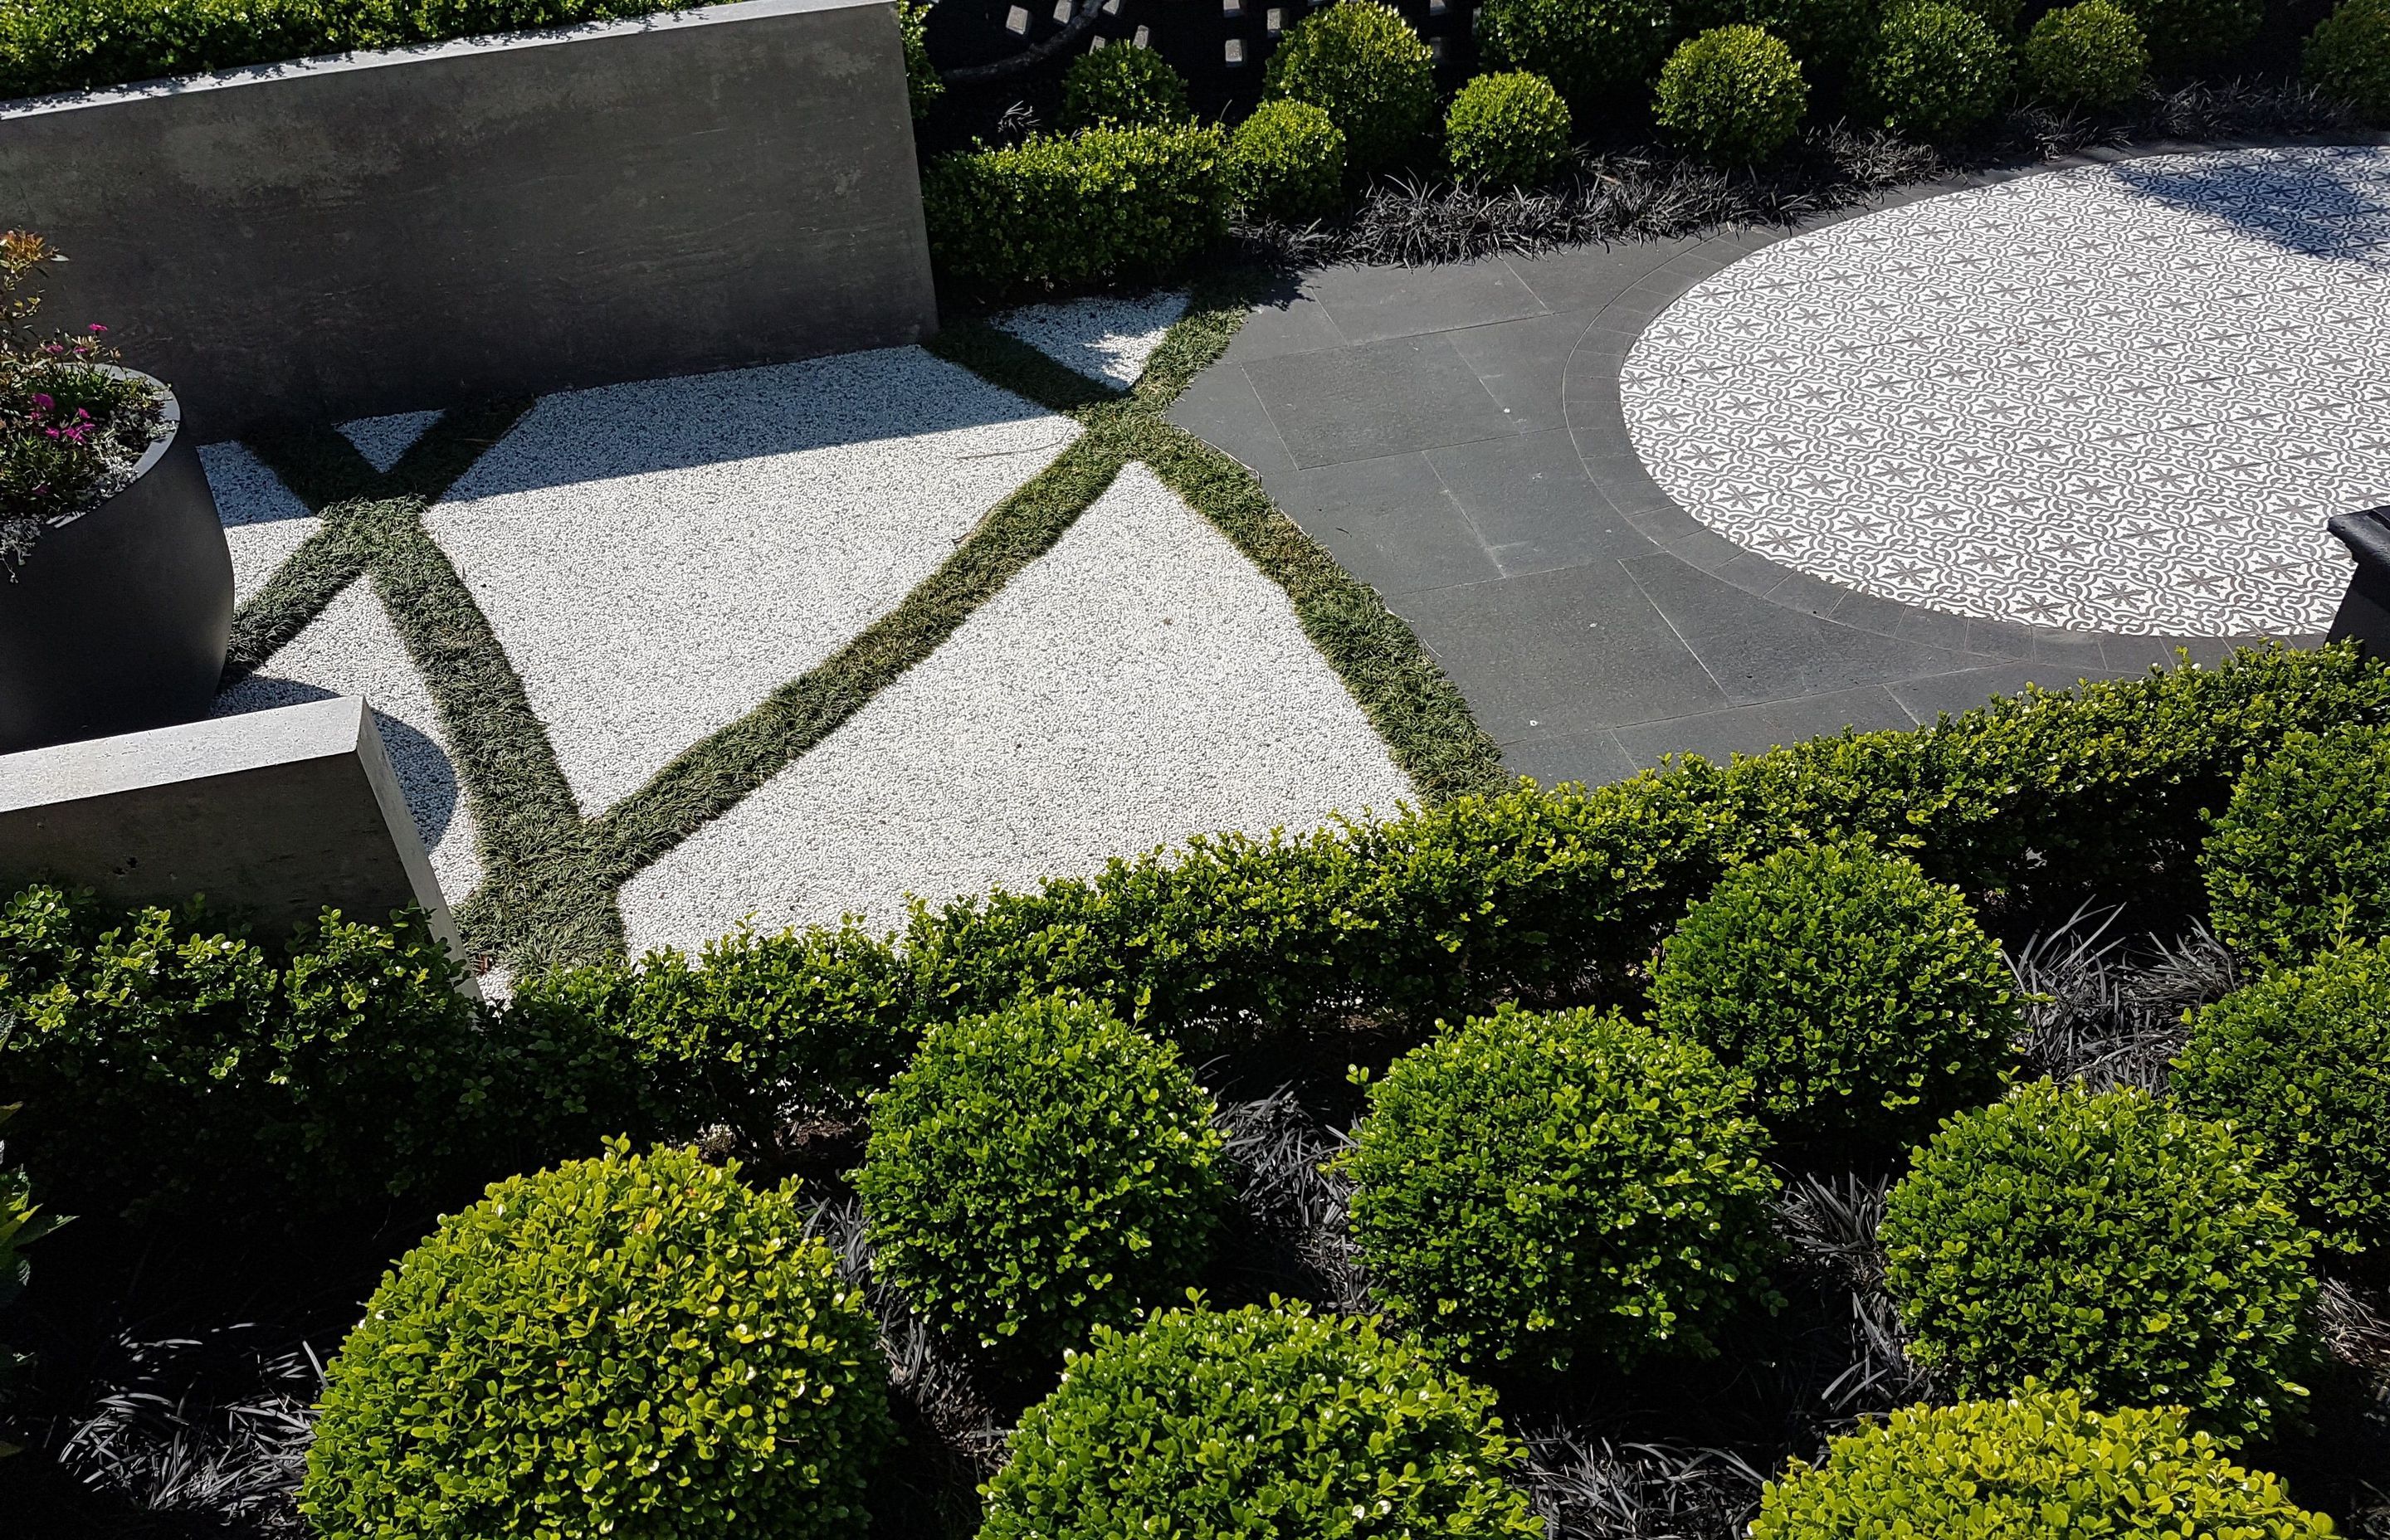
{"x":2120,"y":398}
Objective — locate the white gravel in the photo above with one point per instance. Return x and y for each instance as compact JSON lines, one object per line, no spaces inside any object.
{"x":1140,"y":681}
{"x":351,"y":648}
{"x":1105,"y":339}
{"x":263,"y":520}
{"x":383,"y":440}
{"x":657,"y":557}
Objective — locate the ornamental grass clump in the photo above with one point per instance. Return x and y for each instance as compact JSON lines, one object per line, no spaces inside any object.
{"x":1507,"y":131}
{"x":2105,"y":1244}
{"x":1860,"y":998}
{"x":1286,"y":162}
{"x":2300,"y":858}
{"x":1038,"y":1173}
{"x":1363,"y":65}
{"x":2347,"y":58}
{"x":1255,"y":1423}
{"x":1121,"y":87}
{"x":2038,"y":1466}
{"x":1732,"y":96}
{"x":1533,"y":1187}
{"x":2300,"y":1060}
{"x":2087,"y":55}
{"x":635,"y":1344}
{"x":1934,"y":71}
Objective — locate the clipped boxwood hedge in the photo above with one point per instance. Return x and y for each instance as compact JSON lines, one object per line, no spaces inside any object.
{"x":2300,"y":859}
{"x":2185,"y":34}
{"x":1255,"y":1424}
{"x":2347,"y":58}
{"x":1935,"y":71}
{"x":1733,"y":95}
{"x":2105,"y":1244}
{"x":2041,"y":1465}
{"x":635,"y":1344}
{"x":1121,"y":87}
{"x":1286,"y":162}
{"x":1507,"y":131}
{"x":1589,"y":49}
{"x":1533,"y":1187}
{"x":1039,"y":1172}
{"x":1363,"y":65}
{"x":2087,"y":55}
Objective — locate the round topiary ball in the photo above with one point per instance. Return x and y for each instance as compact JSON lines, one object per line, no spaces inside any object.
{"x":1507,"y":131}
{"x":1859,"y":995}
{"x":635,"y":1344}
{"x":1532,"y":1187}
{"x":1286,"y":162}
{"x":2087,"y":55}
{"x":2301,"y":1061}
{"x":1589,"y":49}
{"x":1934,"y":71}
{"x":2106,"y":1244}
{"x":2348,"y":59}
{"x":1732,"y":96}
{"x":2300,"y":859}
{"x":2185,"y":34}
{"x":1258,"y":1422}
{"x":1039,"y":1172}
{"x":1121,"y":86}
{"x":1826,"y":36}
{"x":1360,"y":62}
{"x":2041,"y":1465}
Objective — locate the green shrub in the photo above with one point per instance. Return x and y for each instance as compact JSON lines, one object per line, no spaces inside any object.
{"x":2347,"y":58}
{"x":1733,"y":95}
{"x":627,"y":1345}
{"x":2300,"y":858}
{"x":1127,"y":203}
{"x":922,"y":87}
{"x":2301,"y":1061}
{"x":1286,"y":162}
{"x":22,"y":1221}
{"x":1825,"y":36}
{"x":2040,"y":1464}
{"x":1859,"y":995}
{"x":2087,"y":55}
{"x":2185,"y":34}
{"x":1934,"y":71}
{"x":1037,"y":1172}
{"x":1535,"y":1186}
{"x":2104,"y":1244}
{"x":1507,"y":131}
{"x":1259,"y":1423}
{"x":1589,"y":49}
{"x":1121,"y":87}
{"x":1360,"y":62}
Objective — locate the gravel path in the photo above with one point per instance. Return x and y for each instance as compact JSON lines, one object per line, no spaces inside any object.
{"x":657,"y":557}
{"x":383,"y":440}
{"x":1138,"y":683}
{"x":1105,"y":339}
{"x":263,"y":522}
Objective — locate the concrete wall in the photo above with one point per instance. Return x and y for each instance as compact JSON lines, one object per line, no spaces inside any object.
{"x":497,"y":216}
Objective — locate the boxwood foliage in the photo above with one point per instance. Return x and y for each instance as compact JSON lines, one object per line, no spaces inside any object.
{"x":1363,"y":65}
{"x":1859,"y":995}
{"x":1039,"y":1172}
{"x":2105,"y":1244}
{"x":2301,"y":1061}
{"x":2347,"y":58}
{"x":1508,"y":130}
{"x":1110,"y":203}
{"x":1533,"y":1187}
{"x":2300,"y":858}
{"x":2184,"y":34}
{"x":1121,"y":87}
{"x":2039,"y":1466}
{"x":1935,"y":71}
{"x":626,"y":1345}
{"x":1286,"y":162}
{"x":2087,"y":55}
{"x":1589,"y":49}
{"x":1262,"y":1424}
{"x":1733,"y":95}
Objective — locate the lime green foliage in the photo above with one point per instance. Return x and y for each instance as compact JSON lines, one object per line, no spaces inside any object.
{"x":1259,"y":1425}
{"x":1507,"y":131}
{"x":1286,"y":162}
{"x":627,"y":1345}
{"x":1037,"y":1172}
{"x":2185,"y":34}
{"x":1534,"y":1187}
{"x":1733,"y":95}
{"x":1934,"y":71}
{"x":1359,"y":62}
{"x":2300,"y":1060}
{"x":1121,"y":87}
{"x":2300,"y":859}
{"x":2087,"y":55}
{"x":2105,"y":1244}
{"x":2039,"y":1467}
{"x":2348,"y":59}
{"x":922,"y":87}
{"x":1589,"y":49}
{"x":1860,"y":998}
{"x":22,"y":1221}
{"x":1112,"y":203}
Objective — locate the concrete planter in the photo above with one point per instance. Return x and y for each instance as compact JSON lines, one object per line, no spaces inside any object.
{"x":118,"y":620}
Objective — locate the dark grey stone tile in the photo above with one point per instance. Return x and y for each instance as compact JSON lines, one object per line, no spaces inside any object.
{"x":1389,"y":522}
{"x":1589,"y":277}
{"x":1522,"y":365}
{"x":1220,"y":408}
{"x":2134,"y":654}
{"x":1379,"y":398}
{"x":1783,"y":652}
{"x":1929,"y":694}
{"x":1809,"y":596}
{"x":2073,"y":648}
{"x":1870,"y":612}
{"x":1285,"y":323}
{"x":1998,"y":639}
{"x":1370,"y":304}
{"x":1755,"y":729}
{"x":1533,"y":504}
{"x":1592,"y":759}
{"x":1754,"y":575}
{"x":1705,"y":550}
{"x":1935,"y":628}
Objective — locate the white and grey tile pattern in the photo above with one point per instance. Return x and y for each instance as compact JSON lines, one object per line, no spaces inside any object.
{"x":2120,"y":398}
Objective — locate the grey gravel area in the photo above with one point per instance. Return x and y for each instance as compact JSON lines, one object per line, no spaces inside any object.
{"x":383,"y":440}
{"x":1106,"y":338}
{"x":263,"y":520}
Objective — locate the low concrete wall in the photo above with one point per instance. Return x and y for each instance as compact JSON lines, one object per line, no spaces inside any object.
{"x":498,"y":216}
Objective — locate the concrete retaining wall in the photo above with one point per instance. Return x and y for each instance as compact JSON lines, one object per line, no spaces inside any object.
{"x":498,"y":216}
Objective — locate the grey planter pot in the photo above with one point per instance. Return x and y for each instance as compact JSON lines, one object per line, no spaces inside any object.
{"x":2365,"y":608}
{"x":119,"y":621}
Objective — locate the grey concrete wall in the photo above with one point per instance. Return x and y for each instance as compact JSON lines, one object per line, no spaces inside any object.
{"x":274,"y":814}
{"x":491,"y":217}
